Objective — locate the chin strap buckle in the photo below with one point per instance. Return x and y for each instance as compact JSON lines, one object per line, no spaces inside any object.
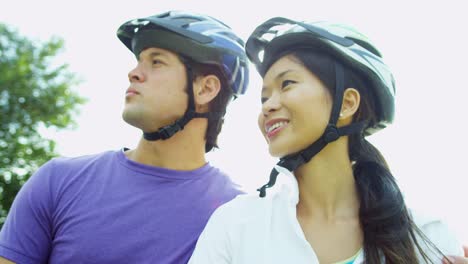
{"x":167,"y":131}
{"x":331,"y":133}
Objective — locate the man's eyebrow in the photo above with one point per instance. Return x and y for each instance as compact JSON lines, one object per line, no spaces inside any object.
{"x":153,"y":54}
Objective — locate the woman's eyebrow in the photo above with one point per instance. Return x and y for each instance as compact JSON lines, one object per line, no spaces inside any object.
{"x":278,"y":76}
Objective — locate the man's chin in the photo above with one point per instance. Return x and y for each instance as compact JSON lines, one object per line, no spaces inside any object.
{"x":132,"y":120}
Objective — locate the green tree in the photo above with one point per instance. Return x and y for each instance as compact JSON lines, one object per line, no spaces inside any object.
{"x":34,"y":94}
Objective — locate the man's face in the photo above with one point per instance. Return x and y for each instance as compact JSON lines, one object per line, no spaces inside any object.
{"x":157,"y":94}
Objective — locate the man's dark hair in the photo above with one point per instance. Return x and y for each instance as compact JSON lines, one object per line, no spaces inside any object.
{"x":218,"y":104}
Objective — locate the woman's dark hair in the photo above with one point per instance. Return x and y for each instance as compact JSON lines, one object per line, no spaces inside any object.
{"x":218,"y":104}
{"x":388,"y":228}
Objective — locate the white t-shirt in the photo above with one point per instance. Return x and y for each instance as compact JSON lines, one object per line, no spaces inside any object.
{"x":250,"y":229}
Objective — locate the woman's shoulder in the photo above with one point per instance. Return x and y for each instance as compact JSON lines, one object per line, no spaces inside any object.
{"x":438,"y":232}
{"x":426,"y":221}
{"x":429,"y":223}
{"x":248,"y":210}
{"x":243,"y":206}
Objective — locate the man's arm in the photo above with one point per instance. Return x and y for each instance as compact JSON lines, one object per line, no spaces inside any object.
{"x":26,"y":235}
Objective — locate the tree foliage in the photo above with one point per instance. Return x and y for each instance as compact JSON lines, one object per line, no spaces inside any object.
{"x":34,"y":94}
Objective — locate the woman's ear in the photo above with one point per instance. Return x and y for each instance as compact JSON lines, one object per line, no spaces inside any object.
{"x":206,"y":88}
{"x":350,"y":105}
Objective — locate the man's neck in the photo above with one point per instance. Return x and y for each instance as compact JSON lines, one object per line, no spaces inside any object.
{"x":185,"y":150}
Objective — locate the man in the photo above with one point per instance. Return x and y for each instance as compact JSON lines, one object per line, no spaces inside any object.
{"x":148,"y":204}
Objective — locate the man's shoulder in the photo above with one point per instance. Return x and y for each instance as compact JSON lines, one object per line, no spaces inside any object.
{"x":223,"y":181}
{"x":62,"y":167}
{"x":83,"y":159}
{"x":65,"y":163}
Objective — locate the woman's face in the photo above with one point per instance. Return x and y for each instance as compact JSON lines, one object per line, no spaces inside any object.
{"x":296,"y":107}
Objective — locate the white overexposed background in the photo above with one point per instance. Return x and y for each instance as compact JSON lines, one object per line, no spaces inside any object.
{"x":423,"y":43}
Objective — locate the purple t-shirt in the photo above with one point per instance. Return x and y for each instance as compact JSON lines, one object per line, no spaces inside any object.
{"x":106,"y":208}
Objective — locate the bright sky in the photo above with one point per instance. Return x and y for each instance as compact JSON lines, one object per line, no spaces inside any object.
{"x":422,"y":43}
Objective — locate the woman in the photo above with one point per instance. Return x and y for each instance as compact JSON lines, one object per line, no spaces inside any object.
{"x":325,"y":87}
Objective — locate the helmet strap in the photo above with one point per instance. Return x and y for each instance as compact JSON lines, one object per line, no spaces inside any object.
{"x":168,"y":131}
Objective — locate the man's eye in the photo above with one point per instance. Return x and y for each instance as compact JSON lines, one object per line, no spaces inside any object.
{"x":264,"y":99}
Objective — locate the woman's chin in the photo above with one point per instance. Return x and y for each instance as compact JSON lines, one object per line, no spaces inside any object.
{"x":278,"y":151}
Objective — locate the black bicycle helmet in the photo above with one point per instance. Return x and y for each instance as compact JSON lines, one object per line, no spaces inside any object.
{"x":200,"y":38}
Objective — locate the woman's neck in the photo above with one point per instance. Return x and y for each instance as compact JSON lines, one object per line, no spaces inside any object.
{"x":326,"y":185}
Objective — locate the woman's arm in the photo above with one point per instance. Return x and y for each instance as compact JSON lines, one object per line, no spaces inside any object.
{"x":458,"y":259}
{"x":213,"y":246}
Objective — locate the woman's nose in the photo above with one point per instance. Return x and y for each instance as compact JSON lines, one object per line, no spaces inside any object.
{"x":271,"y":104}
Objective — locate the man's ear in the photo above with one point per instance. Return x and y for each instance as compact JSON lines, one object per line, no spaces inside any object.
{"x":350,"y":105}
{"x":206,"y":88}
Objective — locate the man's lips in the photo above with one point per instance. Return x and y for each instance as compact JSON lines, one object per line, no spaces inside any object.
{"x":131,"y":91}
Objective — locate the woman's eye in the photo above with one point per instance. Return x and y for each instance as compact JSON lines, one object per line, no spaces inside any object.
{"x":286,"y":83}
{"x":263,"y":99}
